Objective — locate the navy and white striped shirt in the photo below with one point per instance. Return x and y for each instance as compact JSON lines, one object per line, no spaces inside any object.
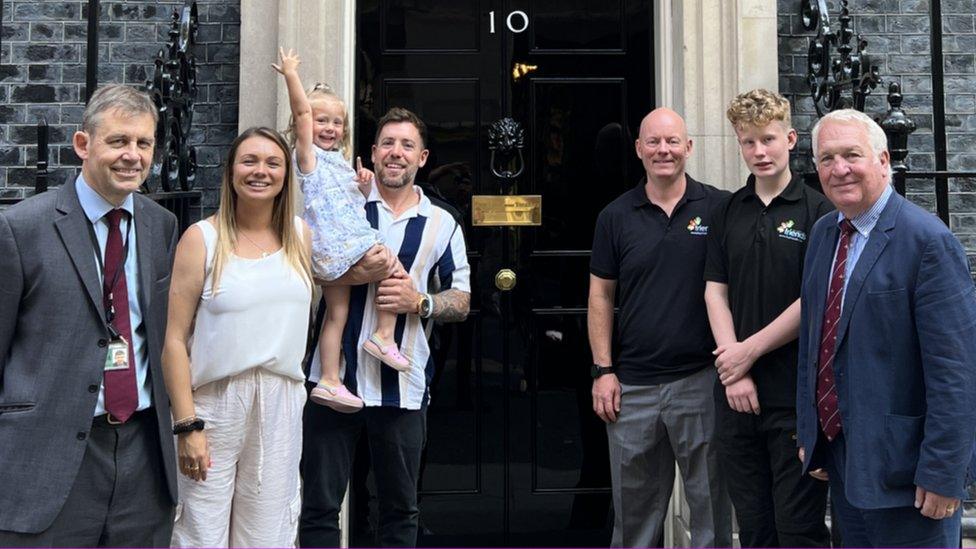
{"x":430,"y":245}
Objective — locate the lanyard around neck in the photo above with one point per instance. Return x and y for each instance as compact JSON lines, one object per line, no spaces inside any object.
{"x":110,"y":308}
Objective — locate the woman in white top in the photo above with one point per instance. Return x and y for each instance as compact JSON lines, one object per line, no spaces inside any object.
{"x":238,"y":317}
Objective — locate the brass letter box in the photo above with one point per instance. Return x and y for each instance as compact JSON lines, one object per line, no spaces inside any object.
{"x":506,"y":210}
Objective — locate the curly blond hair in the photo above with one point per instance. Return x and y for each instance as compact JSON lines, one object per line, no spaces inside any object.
{"x":758,"y":108}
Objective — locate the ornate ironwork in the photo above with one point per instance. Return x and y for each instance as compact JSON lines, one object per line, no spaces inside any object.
{"x":506,"y":138}
{"x":897,"y":126}
{"x":829,"y":77}
{"x":173,"y":88}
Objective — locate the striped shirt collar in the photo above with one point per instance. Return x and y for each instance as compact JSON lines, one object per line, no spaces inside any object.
{"x":865,"y":222}
{"x":423,"y":208}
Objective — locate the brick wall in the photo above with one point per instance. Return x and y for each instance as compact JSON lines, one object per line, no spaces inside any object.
{"x":898,"y":38}
{"x":42,"y":74}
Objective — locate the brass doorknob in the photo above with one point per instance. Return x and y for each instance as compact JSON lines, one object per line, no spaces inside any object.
{"x":505,"y":280}
{"x":521,"y":69}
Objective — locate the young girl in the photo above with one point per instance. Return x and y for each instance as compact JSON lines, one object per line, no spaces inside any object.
{"x":334,"y":199}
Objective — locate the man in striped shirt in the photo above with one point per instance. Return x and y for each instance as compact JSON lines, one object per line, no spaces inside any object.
{"x":430,"y":245}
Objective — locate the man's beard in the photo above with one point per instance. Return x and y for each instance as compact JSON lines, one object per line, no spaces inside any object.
{"x":396,"y":183}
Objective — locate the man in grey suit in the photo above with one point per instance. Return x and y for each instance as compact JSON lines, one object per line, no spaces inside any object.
{"x":87,"y":455}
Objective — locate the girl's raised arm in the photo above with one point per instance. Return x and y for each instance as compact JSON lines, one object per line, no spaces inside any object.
{"x":301,"y":111}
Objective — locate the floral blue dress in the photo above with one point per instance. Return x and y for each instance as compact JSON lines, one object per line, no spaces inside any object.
{"x":334,"y":211}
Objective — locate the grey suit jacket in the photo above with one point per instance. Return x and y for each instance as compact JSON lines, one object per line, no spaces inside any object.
{"x":52,"y":347}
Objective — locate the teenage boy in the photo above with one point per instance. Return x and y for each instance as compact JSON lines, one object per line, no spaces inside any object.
{"x":753,"y":273}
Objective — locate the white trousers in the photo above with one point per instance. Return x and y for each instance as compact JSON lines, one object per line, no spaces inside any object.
{"x":251,"y":496}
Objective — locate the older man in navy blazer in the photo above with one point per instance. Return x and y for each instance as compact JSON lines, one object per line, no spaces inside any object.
{"x":886,"y":387}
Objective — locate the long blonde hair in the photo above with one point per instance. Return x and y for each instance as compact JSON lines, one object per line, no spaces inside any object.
{"x":318,"y":92}
{"x":282,"y":216}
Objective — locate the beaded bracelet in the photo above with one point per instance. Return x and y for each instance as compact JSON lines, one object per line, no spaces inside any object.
{"x":187,"y":419}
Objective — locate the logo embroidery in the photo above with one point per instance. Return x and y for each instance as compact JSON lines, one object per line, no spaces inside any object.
{"x":695,"y":227}
{"x":787,"y":231}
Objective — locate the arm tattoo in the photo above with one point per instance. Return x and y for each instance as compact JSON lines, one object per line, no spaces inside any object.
{"x":451,"y":305}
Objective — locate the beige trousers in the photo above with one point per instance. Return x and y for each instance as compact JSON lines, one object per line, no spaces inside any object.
{"x":251,"y":495}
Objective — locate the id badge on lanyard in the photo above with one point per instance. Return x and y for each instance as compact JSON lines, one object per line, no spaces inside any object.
{"x":117,"y":357}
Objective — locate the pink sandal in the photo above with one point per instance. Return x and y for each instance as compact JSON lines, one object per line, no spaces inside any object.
{"x":338,"y":398}
{"x":387,"y":353}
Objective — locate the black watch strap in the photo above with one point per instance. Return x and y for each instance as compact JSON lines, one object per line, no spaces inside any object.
{"x":596,"y":370}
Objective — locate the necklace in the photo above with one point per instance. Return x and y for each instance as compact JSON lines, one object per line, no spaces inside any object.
{"x":264,"y":253}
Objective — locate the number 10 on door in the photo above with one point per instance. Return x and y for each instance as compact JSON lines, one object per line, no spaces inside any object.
{"x":517,"y":17}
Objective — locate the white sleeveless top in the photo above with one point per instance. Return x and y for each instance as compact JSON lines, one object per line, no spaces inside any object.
{"x":257,"y":319}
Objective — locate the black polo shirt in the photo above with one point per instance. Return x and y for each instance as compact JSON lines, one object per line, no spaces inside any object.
{"x":657,"y":261}
{"x":758,"y":251}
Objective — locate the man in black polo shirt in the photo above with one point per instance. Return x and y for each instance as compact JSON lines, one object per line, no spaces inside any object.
{"x":656,"y":398}
{"x":753,"y":273}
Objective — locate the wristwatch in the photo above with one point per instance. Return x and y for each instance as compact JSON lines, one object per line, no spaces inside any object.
{"x":425,"y":307}
{"x":596,"y":370}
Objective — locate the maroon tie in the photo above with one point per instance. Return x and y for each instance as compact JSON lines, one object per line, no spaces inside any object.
{"x":827,"y":409}
{"x":121,"y":397}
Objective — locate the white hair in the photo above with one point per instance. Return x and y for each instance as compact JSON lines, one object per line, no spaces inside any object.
{"x":876,"y":136}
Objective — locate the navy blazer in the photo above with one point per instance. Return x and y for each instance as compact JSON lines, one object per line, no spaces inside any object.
{"x":906,"y":358}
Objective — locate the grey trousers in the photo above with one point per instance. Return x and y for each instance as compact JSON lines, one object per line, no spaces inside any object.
{"x":119,"y":498}
{"x":657,"y":425}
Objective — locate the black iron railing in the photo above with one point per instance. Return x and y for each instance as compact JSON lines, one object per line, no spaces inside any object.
{"x":173,"y":89}
{"x":186,"y":205}
{"x":844,"y":80}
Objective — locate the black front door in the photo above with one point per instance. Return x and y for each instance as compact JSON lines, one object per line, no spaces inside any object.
{"x":515,"y":455}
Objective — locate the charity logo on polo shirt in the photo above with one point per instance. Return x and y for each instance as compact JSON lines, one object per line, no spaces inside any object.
{"x":695,"y":226}
{"x":787,"y":231}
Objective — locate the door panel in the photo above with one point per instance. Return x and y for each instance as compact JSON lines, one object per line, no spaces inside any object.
{"x":556,"y":25}
{"x":428,"y":25}
{"x":582,"y":104}
{"x":515,"y":455}
{"x":453,"y":454}
{"x":580,"y":148}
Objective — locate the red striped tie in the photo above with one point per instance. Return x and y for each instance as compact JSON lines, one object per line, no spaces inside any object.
{"x":121,"y":396}
{"x":827,"y":409}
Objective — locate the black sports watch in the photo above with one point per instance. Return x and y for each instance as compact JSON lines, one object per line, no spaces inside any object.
{"x":596,"y":370}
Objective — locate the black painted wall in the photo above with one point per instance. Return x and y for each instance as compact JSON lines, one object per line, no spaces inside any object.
{"x":898,"y":35}
{"x":42,"y":74}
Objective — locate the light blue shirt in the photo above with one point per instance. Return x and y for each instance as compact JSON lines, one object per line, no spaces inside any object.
{"x":95,"y":208}
{"x":863,"y":223}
